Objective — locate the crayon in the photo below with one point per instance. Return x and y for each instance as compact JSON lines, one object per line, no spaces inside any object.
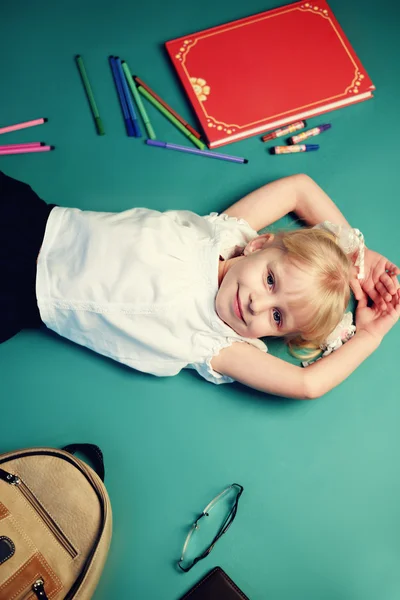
{"x":208,"y":153}
{"x":89,"y":94}
{"x":28,"y":145}
{"x":23,"y":150}
{"x":128,"y":98}
{"x":293,"y":149}
{"x":122,"y":100}
{"x":22,"y":125}
{"x":138,"y":100}
{"x":171,"y":118}
{"x":165,"y":105}
{"x":284,"y":131}
{"x":295,"y":139}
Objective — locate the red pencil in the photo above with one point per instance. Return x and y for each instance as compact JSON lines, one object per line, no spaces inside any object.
{"x":171,"y":110}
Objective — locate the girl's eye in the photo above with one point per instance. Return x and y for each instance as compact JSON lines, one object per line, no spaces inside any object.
{"x":270,"y":279}
{"x":277,"y":316}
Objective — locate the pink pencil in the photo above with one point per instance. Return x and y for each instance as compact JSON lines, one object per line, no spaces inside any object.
{"x":22,"y":125}
{"x":15,"y":146}
{"x":22,"y":150}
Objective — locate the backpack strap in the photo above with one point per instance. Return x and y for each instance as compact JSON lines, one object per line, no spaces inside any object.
{"x":93,"y":452}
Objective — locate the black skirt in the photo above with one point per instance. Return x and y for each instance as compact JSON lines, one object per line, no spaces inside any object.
{"x":23,"y":218}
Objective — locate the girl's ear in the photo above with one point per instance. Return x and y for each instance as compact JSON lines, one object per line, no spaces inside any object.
{"x":258,"y":243}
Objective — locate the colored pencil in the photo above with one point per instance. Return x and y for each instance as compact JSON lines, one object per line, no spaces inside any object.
{"x":28,"y":145}
{"x":138,"y":100}
{"x":23,"y":150}
{"x":171,"y":118}
{"x":89,"y":93}
{"x":128,"y":122}
{"x":22,"y":125}
{"x":208,"y":153}
{"x":128,"y":98}
{"x":165,"y":105}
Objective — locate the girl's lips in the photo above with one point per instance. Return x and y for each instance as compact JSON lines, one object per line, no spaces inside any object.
{"x":237,"y":308}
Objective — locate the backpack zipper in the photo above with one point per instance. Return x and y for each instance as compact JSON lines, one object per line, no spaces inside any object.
{"x":8,"y":477}
{"x":38,"y":588}
{"x":61,"y":538}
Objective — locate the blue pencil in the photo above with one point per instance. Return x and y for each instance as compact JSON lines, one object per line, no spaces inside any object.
{"x":169,"y":146}
{"x":128,"y":123}
{"x":131,"y":108}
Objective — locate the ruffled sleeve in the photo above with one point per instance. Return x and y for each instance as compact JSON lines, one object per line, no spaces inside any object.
{"x":204,"y":368}
{"x":234,"y":234}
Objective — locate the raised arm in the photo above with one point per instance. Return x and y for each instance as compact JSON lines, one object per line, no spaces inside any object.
{"x":272,"y":375}
{"x":301,"y":195}
{"x":297,"y":193}
{"x":266,"y":373}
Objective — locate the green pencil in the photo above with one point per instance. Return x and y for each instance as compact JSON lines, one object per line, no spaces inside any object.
{"x":138,"y":101}
{"x":89,"y":93}
{"x":175,"y":122}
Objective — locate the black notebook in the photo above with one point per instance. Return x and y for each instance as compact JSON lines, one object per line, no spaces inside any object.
{"x":216,"y":585}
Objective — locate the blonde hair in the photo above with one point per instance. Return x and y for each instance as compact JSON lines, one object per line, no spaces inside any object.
{"x":317,"y":252}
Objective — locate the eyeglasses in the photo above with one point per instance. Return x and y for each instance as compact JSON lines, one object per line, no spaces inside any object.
{"x":223,"y":528}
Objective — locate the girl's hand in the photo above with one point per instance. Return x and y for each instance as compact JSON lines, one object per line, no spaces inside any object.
{"x":375,"y":320}
{"x":380,"y":281}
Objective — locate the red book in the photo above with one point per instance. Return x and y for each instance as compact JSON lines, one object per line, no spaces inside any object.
{"x":268,"y":70}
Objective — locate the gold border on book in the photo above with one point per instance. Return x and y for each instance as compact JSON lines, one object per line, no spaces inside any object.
{"x":306,"y":7}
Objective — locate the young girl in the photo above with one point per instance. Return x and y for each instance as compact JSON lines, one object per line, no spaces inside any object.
{"x":164,"y":291}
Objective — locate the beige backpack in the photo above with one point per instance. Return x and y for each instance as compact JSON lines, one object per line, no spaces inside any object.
{"x":55,"y":523}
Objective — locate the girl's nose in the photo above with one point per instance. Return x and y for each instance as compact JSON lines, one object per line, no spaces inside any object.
{"x":258,"y":304}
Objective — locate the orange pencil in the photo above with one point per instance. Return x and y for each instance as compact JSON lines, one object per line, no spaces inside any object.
{"x":171,"y":110}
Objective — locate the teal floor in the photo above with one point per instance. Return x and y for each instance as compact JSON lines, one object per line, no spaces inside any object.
{"x":319,"y":516}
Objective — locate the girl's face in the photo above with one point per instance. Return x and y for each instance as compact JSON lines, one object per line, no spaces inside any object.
{"x":262,"y":293}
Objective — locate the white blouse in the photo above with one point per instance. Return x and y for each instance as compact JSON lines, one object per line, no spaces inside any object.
{"x":139,"y":286}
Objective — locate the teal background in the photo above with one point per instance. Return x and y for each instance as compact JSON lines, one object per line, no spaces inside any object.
{"x":319,"y":516}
